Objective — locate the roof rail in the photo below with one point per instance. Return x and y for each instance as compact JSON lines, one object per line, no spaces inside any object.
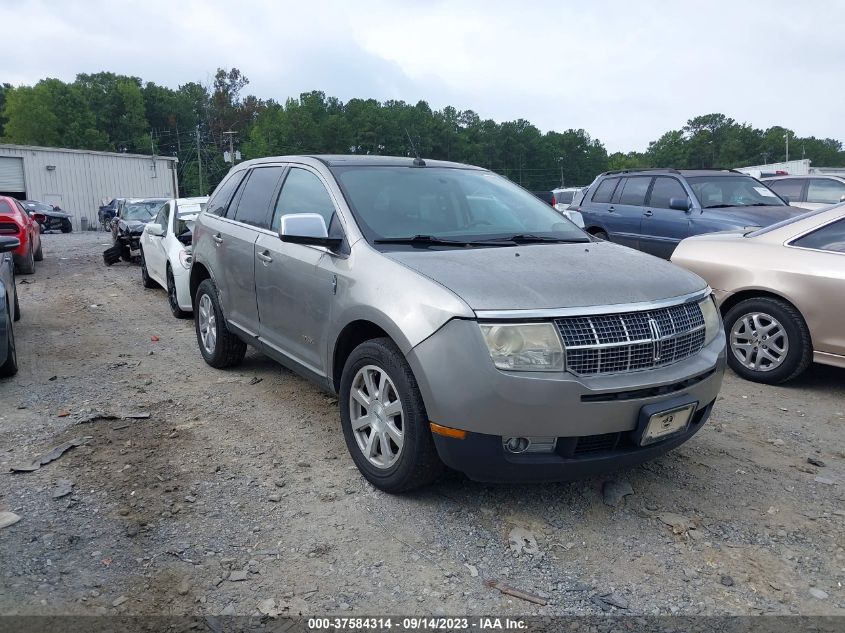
{"x":628,"y":171}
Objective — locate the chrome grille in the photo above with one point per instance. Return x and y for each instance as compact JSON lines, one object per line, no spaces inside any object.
{"x":631,"y":341}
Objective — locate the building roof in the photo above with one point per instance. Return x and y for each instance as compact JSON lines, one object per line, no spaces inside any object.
{"x":36,"y":148}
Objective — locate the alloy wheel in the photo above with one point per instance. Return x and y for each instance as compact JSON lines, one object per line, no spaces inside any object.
{"x":207,"y":324}
{"x":376,"y":416}
{"x":759,"y":341}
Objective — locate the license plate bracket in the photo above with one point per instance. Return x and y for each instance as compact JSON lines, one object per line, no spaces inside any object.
{"x":663,"y":420}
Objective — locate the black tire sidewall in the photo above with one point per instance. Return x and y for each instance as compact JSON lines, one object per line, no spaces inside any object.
{"x":229,"y":350}
{"x":174,"y":304}
{"x":796,"y":332}
{"x":10,"y":367}
{"x":417,"y":434}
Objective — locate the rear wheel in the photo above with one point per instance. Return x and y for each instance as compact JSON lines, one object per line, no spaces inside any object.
{"x":10,"y":366}
{"x":67,"y":227}
{"x":768,"y":340}
{"x":172,"y":297}
{"x":39,"y":253}
{"x":384,"y":421}
{"x":26,"y":265}
{"x":218,"y":346}
{"x":601,"y":235}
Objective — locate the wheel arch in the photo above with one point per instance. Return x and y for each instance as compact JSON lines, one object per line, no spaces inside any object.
{"x":199,"y":273}
{"x":762,"y":293}
{"x":350,"y":337}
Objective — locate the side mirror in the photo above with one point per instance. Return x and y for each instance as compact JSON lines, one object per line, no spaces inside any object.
{"x":156,"y":230}
{"x":679,"y":204}
{"x":841,"y":198}
{"x":8,"y":244}
{"x":307,"y":228}
{"x":39,"y":217}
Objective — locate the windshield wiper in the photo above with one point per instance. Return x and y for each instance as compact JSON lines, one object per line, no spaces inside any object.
{"x":423,"y":240}
{"x":721,"y":206}
{"x":527,"y":238}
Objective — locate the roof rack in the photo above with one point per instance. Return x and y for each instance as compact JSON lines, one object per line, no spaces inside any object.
{"x":628,"y":171}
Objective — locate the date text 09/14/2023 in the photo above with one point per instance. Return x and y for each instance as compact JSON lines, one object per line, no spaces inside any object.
{"x":415,"y":623}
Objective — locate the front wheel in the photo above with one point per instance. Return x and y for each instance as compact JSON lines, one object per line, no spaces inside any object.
{"x":384,"y":421}
{"x":67,"y":227}
{"x":218,"y":346}
{"x":768,"y":340}
{"x":10,"y":366}
{"x":173,"y":298}
{"x":145,"y":275}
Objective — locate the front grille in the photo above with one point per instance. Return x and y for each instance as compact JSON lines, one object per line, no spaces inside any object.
{"x":596,"y":443}
{"x":631,"y":341}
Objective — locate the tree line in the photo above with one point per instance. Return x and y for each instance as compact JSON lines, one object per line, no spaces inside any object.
{"x":194,"y":122}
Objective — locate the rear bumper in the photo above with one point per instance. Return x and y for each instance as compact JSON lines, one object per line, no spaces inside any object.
{"x":483,"y":458}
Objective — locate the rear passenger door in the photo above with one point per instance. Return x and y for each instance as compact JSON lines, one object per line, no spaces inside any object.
{"x":792,"y":189}
{"x":825,"y":191}
{"x":246,"y":217}
{"x":627,"y":210}
{"x":596,"y":203}
{"x":662,"y":228}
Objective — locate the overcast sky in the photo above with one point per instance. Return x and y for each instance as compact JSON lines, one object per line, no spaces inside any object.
{"x":624,"y":71}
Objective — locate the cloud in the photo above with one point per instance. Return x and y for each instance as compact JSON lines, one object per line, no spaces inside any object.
{"x":626,"y":72}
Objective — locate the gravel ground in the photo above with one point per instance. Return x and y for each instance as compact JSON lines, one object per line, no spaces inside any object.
{"x":238,"y":489}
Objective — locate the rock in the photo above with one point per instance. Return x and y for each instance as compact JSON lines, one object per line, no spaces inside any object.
{"x":824,"y":480}
{"x":184,"y":586}
{"x":132,"y":530}
{"x":522,"y":541}
{"x":62,"y":488}
{"x":473,"y":570}
{"x":190,"y":498}
{"x":816,"y":462}
{"x":268,"y":607}
{"x":274,"y":497}
{"x":614,"y":490}
{"x":727,"y":581}
{"x":119,"y":601}
{"x":777,"y":442}
{"x":677,"y":522}
{"x":818,"y":594}
{"x":280,"y":483}
{"x":238,"y":575}
{"x":8,"y":518}
{"x":614,"y":600}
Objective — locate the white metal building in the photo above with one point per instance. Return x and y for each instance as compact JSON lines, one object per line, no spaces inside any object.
{"x":79,"y":181}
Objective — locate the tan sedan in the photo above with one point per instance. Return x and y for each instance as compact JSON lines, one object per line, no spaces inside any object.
{"x":781,"y":291}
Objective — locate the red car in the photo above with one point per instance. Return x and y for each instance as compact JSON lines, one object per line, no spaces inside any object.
{"x":16,"y":222}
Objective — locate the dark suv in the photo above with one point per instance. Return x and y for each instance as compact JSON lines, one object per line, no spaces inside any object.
{"x":654,"y":209}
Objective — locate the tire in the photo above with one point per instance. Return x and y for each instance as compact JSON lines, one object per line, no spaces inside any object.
{"x":172,"y":298}
{"x":416,"y":462}
{"x":26,"y":266}
{"x":226,"y":350}
{"x":39,"y":254}
{"x":10,"y":367}
{"x":601,"y":235}
{"x":753,"y":341}
{"x":145,"y":276}
{"x":125,"y":253}
{"x":67,"y":227}
{"x":17,"y":308}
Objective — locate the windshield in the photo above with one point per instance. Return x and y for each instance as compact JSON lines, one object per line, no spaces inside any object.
{"x":142,"y":211}
{"x":31,"y":205}
{"x":732,"y":191}
{"x":447,"y":204}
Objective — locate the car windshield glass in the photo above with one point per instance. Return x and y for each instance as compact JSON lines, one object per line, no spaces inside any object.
{"x":141,"y":210}
{"x":458,"y":205}
{"x":787,"y":222}
{"x":732,"y":191}
{"x":37,"y":206}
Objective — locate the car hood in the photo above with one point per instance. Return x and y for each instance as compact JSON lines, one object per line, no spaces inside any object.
{"x":755,"y":216}
{"x":546,"y":276}
{"x":135,"y":226}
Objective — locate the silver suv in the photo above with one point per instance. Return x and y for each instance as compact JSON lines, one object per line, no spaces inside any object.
{"x":462,"y":321}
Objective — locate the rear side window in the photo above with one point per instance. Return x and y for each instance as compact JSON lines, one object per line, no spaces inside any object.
{"x":4,"y":207}
{"x":604,"y":192}
{"x":827,"y":238}
{"x":303,"y":192}
{"x":564,"y":197}
{"x":788,"y":188}
{"x":664,"y":189}
{"x":221,"y":197}
{"x":825,"y":190}
{"x":254,"y":203}
{"x":634,"y":191}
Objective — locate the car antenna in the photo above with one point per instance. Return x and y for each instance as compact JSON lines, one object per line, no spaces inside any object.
{"x":418,"y":162}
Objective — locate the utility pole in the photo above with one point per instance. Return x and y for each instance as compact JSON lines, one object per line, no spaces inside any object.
{"x":199,"y":160}
{"x":786,"y":136}
{"x":178,"y":141}
{"x":560,"y":161}
{"x":765,"y":158}
{"x":231,"y":135}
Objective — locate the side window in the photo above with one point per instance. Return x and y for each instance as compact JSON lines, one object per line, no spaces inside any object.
{"x":221,"y":197}
{"x":825,"y":190}
{"x":254,"y":203}
{"x":4,"y":207}
{"x":303,"y":192}
{"x":635,"y":191}
{"x":604,"y":192}
{"x":827,"y":238}
{"x":565,"y":197}
{"x":788,"y":187}
{"x":664,"y":189}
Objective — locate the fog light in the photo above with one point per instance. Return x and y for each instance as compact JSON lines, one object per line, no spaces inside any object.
{"x":516,"y":444}
{"x":529,"y":444}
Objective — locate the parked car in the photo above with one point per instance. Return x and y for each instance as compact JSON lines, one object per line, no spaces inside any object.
{"x":424,"y":293}
{"x":16,"y":222}
{"x":781,"y":290}
{"x":563,"y":196}
{"x":654,"y":209}
{"x":166,"y":252}
{"x":550,"y":197}
{"x":810,"y":192}
{"x":546,"y":196}
{"x":10,"y":309}
{"x":54,"y":219}
{"x":127,"y":227}
{"x":107,"y":212}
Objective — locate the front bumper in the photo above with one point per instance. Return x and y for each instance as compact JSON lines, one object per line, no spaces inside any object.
{"x":462,"y":389}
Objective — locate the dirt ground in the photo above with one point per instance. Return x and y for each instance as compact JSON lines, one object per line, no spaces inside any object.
{"x":238,"y":489}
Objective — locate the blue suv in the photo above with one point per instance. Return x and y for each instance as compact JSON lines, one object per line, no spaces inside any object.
{"x":654,"y":209}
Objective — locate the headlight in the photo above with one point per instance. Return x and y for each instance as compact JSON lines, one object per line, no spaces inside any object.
{"x":185,"y":258}
{"x":524,"y":346}
{"x":712,"y":319}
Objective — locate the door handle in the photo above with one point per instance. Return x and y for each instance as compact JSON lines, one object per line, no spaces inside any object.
{"x":648,"y":213}
{"x":611,"y":209}
{"x":217,"y":238}
{"x":264,"y":257}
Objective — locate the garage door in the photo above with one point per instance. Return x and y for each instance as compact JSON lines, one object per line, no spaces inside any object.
{"x":11,"y":174}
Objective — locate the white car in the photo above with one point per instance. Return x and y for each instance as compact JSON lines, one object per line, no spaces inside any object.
{"x":565,"y":199}
{"x":166,"y":252}
{"x":815,"y":191}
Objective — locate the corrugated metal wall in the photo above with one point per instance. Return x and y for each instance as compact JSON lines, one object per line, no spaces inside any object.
{"x":78,"y":181}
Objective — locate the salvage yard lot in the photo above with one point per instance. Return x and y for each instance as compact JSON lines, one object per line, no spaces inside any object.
{"x":238,"y":489}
